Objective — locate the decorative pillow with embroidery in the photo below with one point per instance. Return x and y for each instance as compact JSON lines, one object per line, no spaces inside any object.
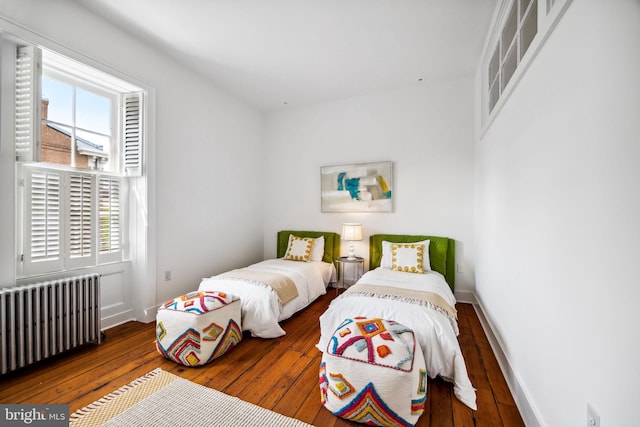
{"x":385,"y":262}
{"x":299,"y":248}
{"x":407,"y":257}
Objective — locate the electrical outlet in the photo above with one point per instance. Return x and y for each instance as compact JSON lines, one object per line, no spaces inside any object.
{"x":167,"y":275}
{"x":593,"y":419}
{"x":459,"y":268}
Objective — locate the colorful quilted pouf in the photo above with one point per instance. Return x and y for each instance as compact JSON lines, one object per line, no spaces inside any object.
{"x":195,"y":328}
{"x":373,"y":372}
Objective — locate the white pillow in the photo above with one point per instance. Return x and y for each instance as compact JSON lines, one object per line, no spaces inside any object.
{"x":299,"y":248}
{"x":317,"y":251}
{"x":385,"y":262}
{"x":407,"y":257}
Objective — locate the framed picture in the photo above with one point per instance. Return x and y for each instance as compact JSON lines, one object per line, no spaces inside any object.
{"x":362,"y":187}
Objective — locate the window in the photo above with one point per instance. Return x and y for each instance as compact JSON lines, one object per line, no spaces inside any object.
{"x":66,"y":213}
{"x":79,"y":121}
{"x":518,"y":31}
{"x":78,"y":138}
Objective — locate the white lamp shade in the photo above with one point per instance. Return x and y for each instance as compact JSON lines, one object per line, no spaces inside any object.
{"x":351,"y":231}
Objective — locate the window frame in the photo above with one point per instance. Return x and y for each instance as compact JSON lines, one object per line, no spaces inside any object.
{"x":124,"y":122}
{"x":134,"y":279}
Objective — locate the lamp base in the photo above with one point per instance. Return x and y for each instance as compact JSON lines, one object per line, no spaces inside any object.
{"x":351,"y":256}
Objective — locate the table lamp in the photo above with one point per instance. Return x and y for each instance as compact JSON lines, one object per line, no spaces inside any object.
{"x":351,"y":232}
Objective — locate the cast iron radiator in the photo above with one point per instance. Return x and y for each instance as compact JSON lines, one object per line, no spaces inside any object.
{"x":44,"y":319}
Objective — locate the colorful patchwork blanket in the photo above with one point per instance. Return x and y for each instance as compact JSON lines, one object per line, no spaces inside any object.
{"x":281,"y":284}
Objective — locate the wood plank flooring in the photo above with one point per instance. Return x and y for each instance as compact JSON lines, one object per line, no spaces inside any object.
{"x":279,"y":374}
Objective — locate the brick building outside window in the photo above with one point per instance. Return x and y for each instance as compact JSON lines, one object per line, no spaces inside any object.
{"x":56,"y":146}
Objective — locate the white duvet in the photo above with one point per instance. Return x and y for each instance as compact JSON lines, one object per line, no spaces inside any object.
{"x":436,"y":333}
{"x":261,"y":309}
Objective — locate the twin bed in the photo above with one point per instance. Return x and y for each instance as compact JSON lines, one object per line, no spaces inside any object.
{"x":423,"y":302}
{"x":275,"y":289}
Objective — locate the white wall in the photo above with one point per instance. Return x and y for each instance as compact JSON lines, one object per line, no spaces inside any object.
{"x":558,"y":220}
{"x":426,"y":131}
{"x":204,"y":154}
{"x":208,"y":183}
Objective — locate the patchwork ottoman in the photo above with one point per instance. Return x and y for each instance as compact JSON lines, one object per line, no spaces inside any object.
{"x":195,"y":328}
{"x":373,"y":372}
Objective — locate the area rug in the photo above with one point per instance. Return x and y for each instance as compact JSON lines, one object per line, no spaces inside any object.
{"x":161,"y":399}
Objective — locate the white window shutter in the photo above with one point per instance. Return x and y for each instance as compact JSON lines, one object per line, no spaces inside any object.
{"x":109,"y":215}
{"x":80,"y":228}
{"x":132,"y":136}
{"x":44,"y":199}
{"x":27,"y":104}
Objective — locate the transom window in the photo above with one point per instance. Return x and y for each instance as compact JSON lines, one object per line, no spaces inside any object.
{"x":518,"y":31}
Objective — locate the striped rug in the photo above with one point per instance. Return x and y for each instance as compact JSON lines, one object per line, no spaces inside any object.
{"x":162,"y":399}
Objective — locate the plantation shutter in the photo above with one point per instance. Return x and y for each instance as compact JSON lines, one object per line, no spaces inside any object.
{"x":132,"y":121}
{"x":109,"y":215}
{"x":27,"y":103}
{"x":80,"y":230}
{"x":43,"y":245}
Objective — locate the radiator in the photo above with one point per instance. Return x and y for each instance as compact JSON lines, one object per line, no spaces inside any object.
{"x":44,"y":319}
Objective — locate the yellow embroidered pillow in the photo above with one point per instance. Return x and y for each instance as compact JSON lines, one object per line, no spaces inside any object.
{"x":299,"y":248}
{"x":407,"y":257}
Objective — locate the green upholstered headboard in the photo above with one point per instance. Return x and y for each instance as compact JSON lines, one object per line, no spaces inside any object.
{"x":442,"y":252}
{"x":331,"y":243}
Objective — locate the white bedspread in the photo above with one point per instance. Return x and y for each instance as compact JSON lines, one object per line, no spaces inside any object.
{"x":261,"y":309}
{"x":436,"y":332}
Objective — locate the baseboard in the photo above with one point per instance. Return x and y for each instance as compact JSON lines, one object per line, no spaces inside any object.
{"x":465,"y":296}
{"x":150,"y":314}
{"x":108,"y":322}
{"x":528,"y":411}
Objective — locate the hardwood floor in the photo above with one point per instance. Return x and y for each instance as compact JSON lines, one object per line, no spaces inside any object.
{"x":279,"y":374}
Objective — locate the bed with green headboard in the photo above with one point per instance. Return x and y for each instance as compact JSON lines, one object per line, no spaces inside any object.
{"x":404,"y":288}
{"x":442,"y":252}
{"x":331,"y":243}
{"x":275,"y":289}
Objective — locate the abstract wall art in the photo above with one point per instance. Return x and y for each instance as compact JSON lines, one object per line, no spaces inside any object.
{"x":361,"y":187}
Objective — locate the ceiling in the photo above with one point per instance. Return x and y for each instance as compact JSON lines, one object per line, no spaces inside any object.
{"x":282,"y":53}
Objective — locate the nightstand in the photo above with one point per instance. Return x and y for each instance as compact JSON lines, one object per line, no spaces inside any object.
{"x":356,"y":265}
